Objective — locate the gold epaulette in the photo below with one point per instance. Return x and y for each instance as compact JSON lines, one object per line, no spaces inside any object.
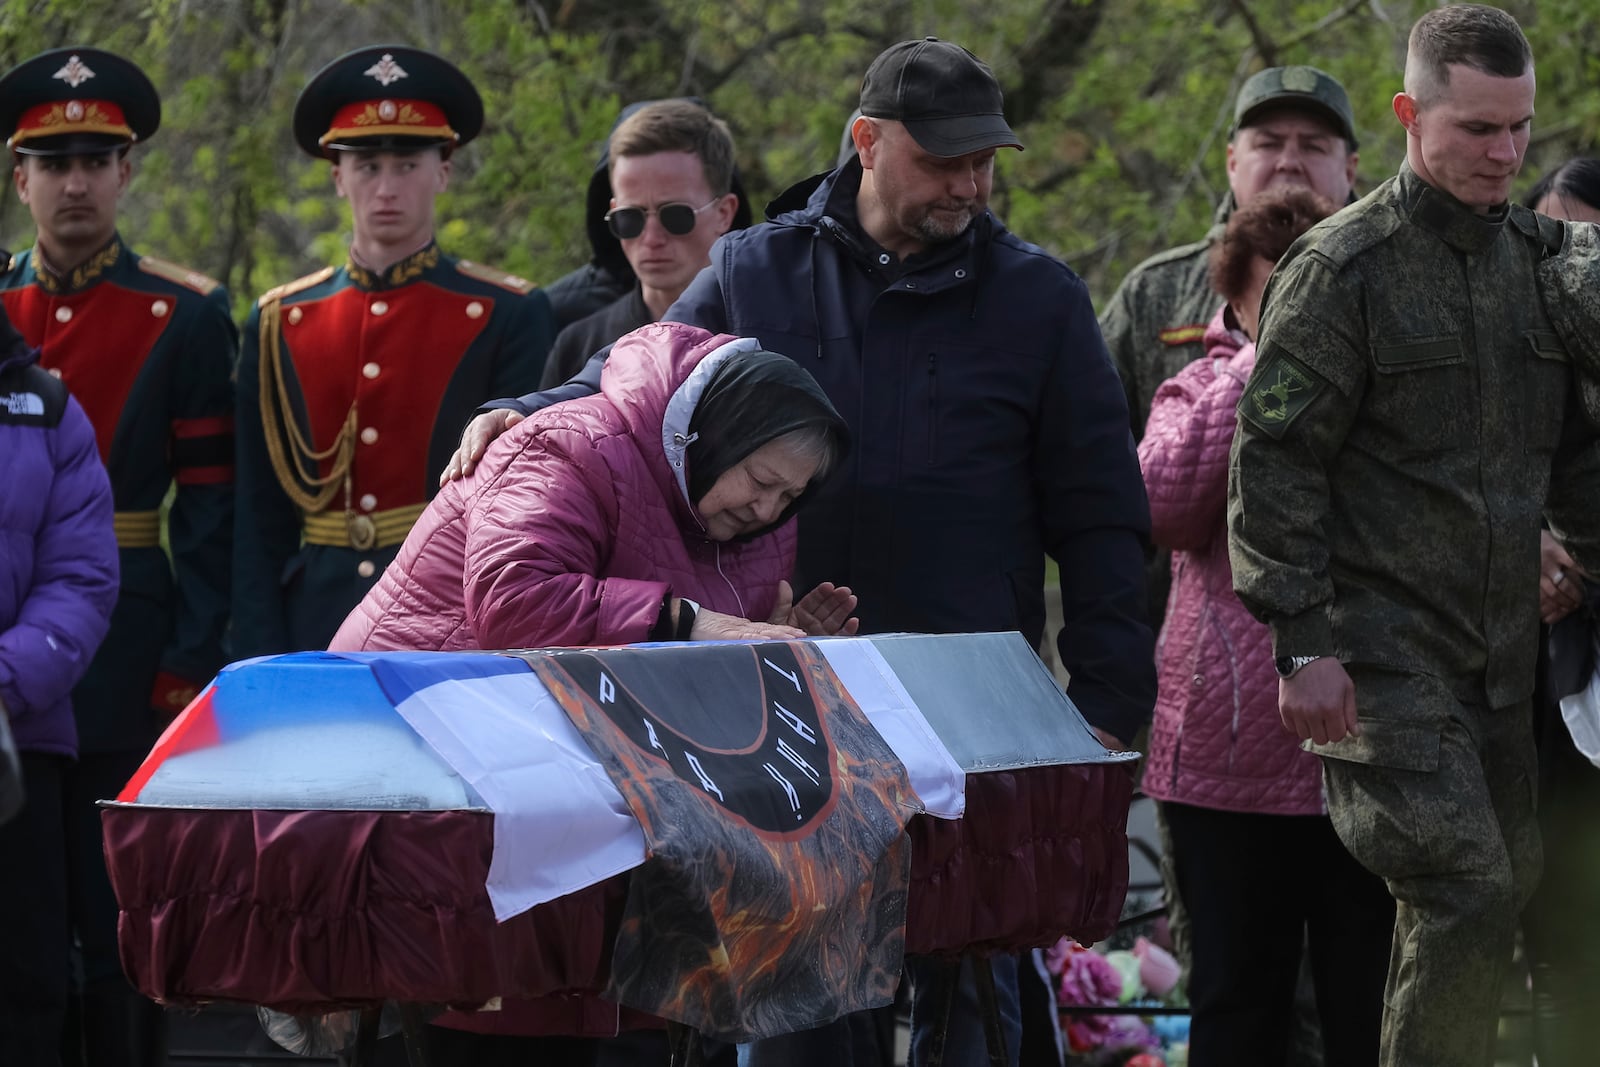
{"x":520,"y":286}
{"x":173,"y":272}
{"x":290,"y":288}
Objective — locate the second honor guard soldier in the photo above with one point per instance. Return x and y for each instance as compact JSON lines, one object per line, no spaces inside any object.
{"x":355,"y":382}
{"x":147,"y":348}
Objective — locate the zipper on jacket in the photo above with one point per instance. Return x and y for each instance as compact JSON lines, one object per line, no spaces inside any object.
{"x":933,"y":408}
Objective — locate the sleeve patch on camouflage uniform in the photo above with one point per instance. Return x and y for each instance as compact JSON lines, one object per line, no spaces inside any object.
{"x":1279,"y":390}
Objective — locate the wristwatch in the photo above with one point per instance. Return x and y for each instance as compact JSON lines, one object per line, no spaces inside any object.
{"x":687,"y":610}
{"x":1288,"y":665}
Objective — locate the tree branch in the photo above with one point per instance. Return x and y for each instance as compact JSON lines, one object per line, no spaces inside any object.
{"x":1350,"y":8}
{"x":1264,"y":45}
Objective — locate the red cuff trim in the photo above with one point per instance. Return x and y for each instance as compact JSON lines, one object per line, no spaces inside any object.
{"x":171,"y":693}
{"x":203,"y":475}
{"x":215,"y":425}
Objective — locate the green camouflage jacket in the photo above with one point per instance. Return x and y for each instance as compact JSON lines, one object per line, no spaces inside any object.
{"x":1407,"y":421}
{"x":1155,"y":323}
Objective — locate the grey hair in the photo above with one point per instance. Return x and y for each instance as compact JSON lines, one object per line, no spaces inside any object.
{"x":816,"y":441}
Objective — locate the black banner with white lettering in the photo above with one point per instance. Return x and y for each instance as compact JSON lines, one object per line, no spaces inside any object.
{"x":774,"y":895}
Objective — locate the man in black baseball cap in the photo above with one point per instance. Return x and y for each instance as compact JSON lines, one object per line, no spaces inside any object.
{"x":921,"y":102}
{"x":946,"y":97}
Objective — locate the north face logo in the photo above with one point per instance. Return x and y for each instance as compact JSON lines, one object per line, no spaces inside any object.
{"x":23,"y":404}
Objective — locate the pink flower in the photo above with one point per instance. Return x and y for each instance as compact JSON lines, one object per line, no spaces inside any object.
{"x":1157,"y":969}
{"x":1087,"y":979}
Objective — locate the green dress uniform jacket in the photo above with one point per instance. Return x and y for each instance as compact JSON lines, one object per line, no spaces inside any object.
{"x":354,"y":388}
{"x":147,"y":347}
{"x":1155,"y":323}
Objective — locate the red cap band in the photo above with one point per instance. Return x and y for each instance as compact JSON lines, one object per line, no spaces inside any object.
{"x":58,"y":118}
{"x":388,"y":118}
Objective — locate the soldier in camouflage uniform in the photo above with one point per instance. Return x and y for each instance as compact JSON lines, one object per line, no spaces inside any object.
{"x":1396,"y":446}
{"x":1292,"y":126}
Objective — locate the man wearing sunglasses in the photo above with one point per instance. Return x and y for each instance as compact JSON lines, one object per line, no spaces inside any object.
{"x":673,"y":190}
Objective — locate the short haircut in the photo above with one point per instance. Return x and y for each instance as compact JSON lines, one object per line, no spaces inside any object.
{"x":1470,"y":35}
{"x":1576,"y":179}
{"x":1265,"y":227}
{"x":678,"y":126}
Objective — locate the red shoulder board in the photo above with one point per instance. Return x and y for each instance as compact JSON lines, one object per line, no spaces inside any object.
{"x":172,"y":272}
{"x":1182,"y":335}
{"x":520,"y":286}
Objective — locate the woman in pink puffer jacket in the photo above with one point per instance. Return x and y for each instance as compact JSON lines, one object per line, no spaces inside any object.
{"x":1258,"y":868}
{"x":658,"y":508}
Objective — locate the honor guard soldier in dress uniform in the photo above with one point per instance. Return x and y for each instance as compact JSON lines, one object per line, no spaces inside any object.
{"x":147,"y":347}
{"x":355,"y":382}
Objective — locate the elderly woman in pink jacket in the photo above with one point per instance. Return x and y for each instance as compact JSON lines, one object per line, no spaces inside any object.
{"x":1258,"y":867}
{"x":657,"y":509}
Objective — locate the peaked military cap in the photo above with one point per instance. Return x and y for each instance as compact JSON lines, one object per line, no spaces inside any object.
{"x":386,"y":96}
{"x":74,"y":100}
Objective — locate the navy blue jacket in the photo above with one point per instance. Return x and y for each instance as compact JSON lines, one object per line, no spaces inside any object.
{"x":990,"y":430}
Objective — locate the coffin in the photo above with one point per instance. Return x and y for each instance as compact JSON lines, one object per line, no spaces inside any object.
{"x":321,"y":831}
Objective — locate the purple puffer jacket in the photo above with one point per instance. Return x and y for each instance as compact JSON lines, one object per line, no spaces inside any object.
{"x":58,"y":550}
{"x":576,"y":524}
{"x":1216,"y":740}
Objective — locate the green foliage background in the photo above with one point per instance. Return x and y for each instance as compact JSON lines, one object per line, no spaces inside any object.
{"x":1124,"y":105}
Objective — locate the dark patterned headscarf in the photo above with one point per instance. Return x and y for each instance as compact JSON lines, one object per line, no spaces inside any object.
{"x":753,"y":398}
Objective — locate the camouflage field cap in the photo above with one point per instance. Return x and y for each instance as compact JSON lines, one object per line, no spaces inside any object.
{"x":1306,"y":88}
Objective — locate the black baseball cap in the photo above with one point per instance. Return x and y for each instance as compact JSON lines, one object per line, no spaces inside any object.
{"x":1298,"y":88}
{"x":945,"y":96}
{"x":71,"y":101}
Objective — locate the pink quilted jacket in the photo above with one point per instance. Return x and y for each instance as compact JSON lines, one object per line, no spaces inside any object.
{"x":575,"y":524}
{"x":1216,"y":740}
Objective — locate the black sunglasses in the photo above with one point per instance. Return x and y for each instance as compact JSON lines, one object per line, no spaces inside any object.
{"x":627,"y":223}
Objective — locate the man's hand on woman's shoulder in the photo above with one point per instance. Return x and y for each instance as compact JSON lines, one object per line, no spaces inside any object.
{"x":475,"y":441}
